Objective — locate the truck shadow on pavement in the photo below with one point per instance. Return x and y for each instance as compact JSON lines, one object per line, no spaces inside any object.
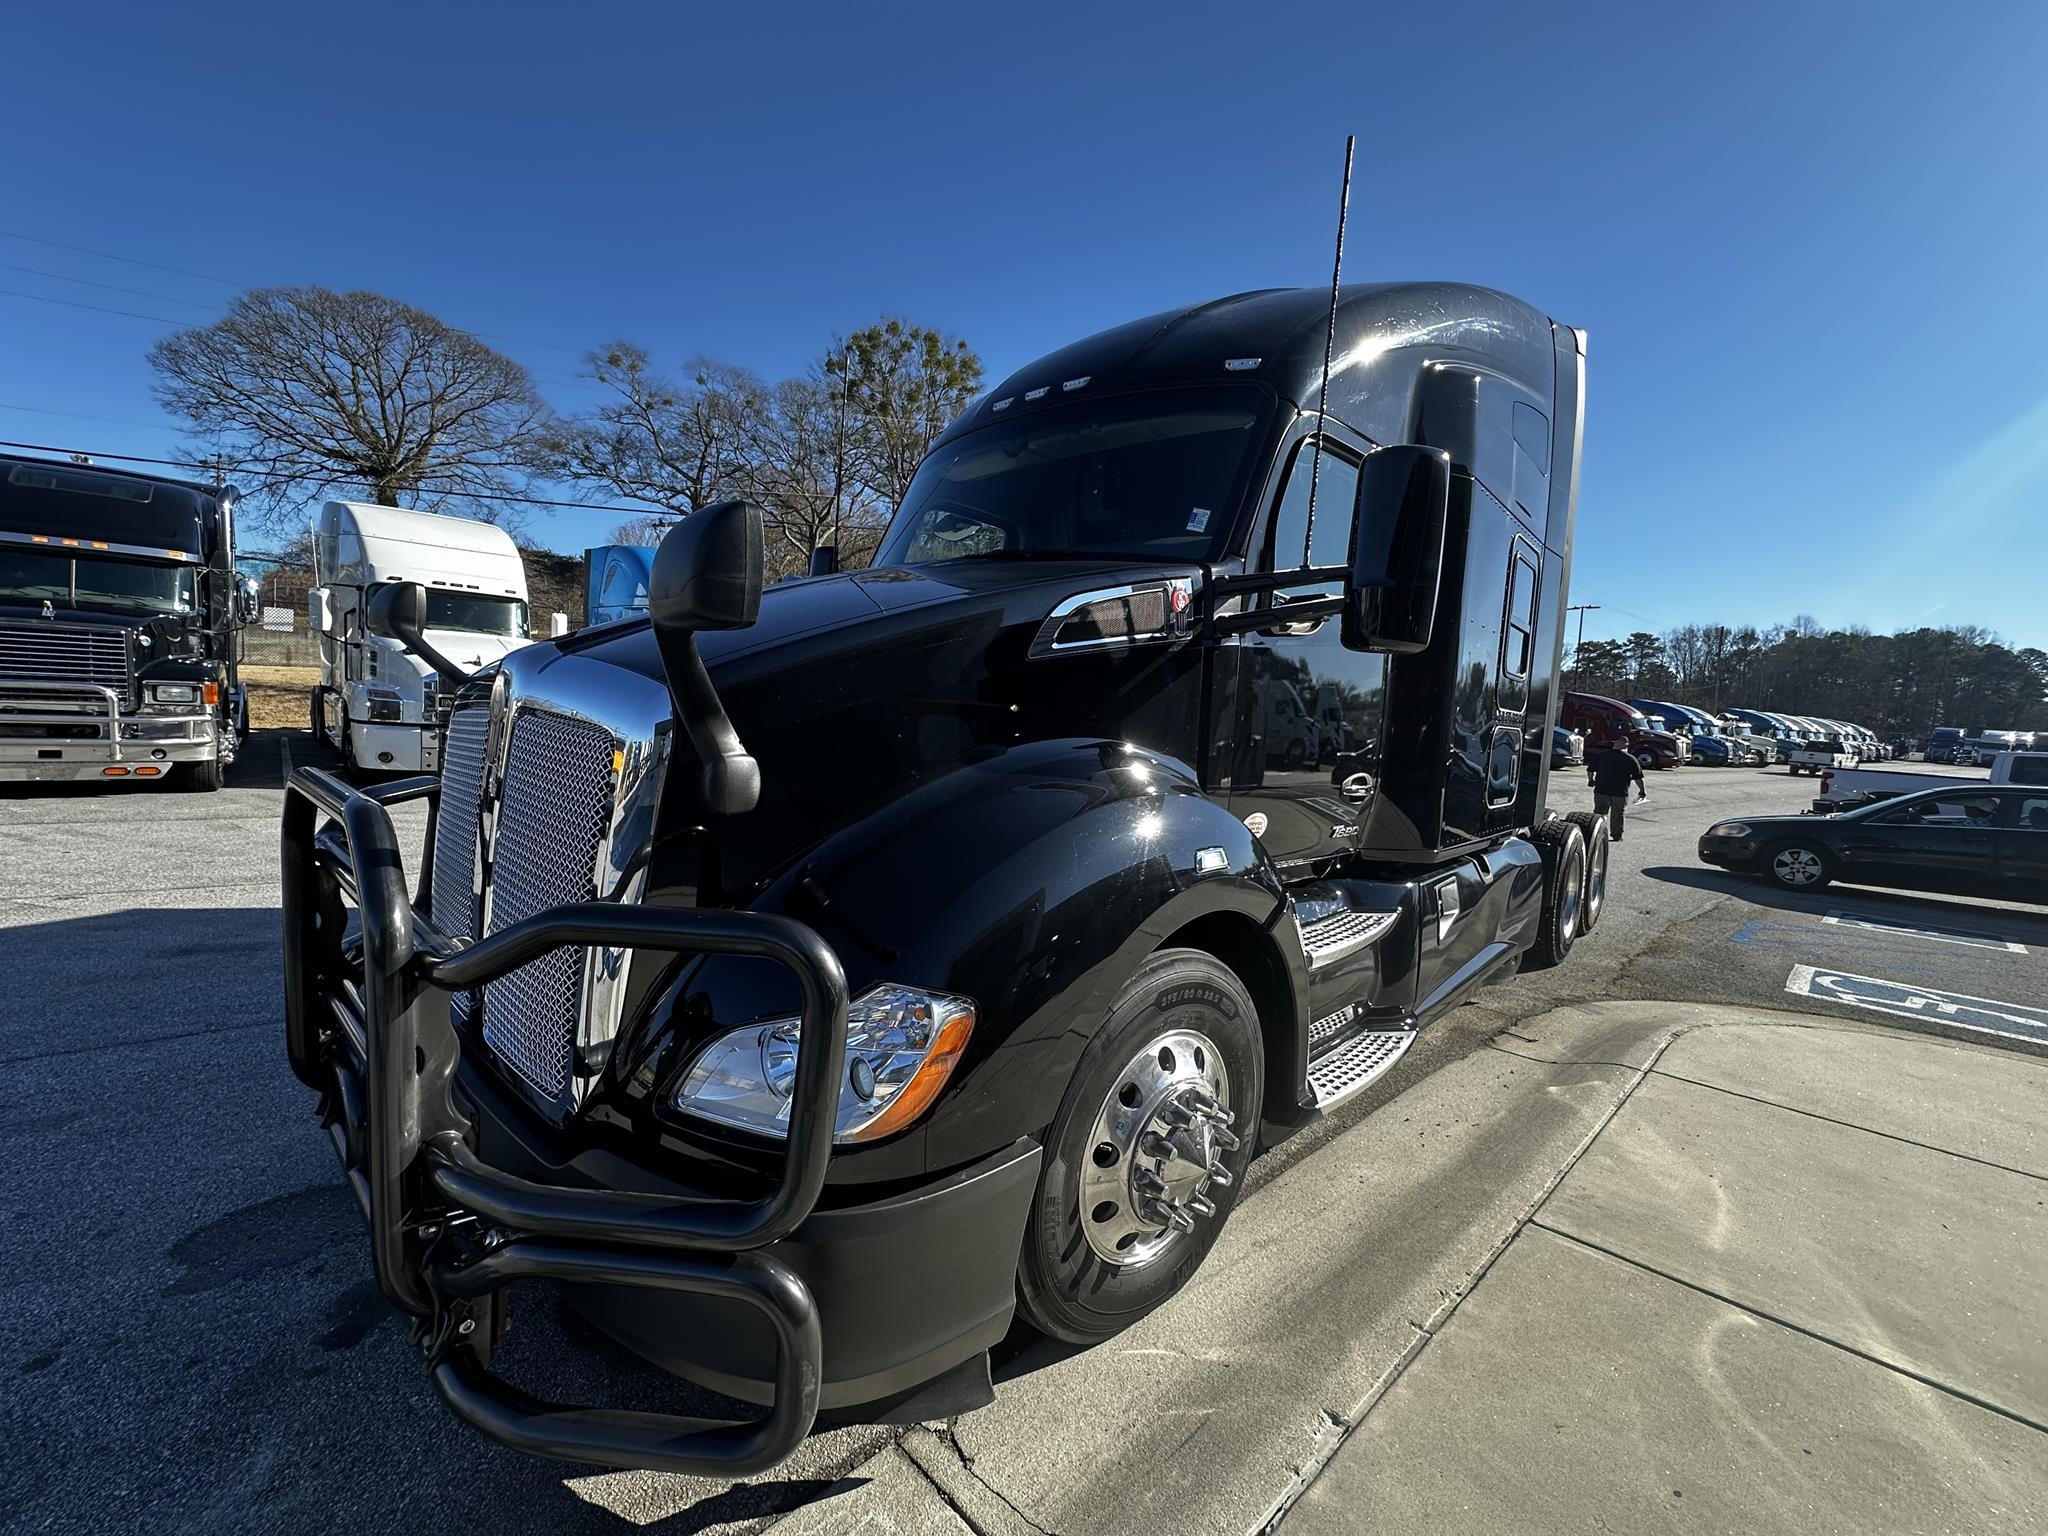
{"x":193,"y":1324}
{"x":2020,"y":924}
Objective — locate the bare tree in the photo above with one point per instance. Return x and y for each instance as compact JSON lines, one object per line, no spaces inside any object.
{"x":642,"y":530}
{"x":899,"y":386}
{"x":792,"y":458}
{"x":305,"y":391}
{"x":678,"y":444}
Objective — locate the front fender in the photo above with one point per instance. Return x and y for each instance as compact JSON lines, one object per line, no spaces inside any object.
{"x":1033,"y":881}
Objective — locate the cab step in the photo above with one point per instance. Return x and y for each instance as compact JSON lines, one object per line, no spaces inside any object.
{"x":1330,"y":939}
{"x":1356,"y":1064}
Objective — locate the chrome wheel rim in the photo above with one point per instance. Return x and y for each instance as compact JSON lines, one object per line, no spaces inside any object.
{"x":1155,"y":1150}
{"x":1596,"y":880}
{"x":1796,"y":866}
{"x":1573,"y":892}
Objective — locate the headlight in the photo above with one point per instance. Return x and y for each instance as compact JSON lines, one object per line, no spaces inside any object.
{"x":1729,"y":829}
{"x":386,"y":704}
{"x":902,"y":1044}
{"x":174,"y":693}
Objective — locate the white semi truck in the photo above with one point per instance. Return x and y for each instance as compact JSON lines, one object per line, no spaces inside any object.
{"x":376,"y":702}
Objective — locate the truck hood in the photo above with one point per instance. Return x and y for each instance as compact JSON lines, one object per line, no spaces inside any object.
{"x":853,"y":689}
{"x":465,"y":647}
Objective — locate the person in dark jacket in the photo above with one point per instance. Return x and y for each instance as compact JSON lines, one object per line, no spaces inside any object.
{"x":1609,"y":771}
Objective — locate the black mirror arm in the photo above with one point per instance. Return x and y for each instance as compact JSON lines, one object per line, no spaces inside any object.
{"x":731,"y":778}
{"x":415,"y":642}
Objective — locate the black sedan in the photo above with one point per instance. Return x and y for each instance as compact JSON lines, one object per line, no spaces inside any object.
{"x":1972,"y":840}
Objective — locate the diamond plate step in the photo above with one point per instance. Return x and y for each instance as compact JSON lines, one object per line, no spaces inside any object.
{"x":1332,"y":938}
{"x":1357,"y":1064}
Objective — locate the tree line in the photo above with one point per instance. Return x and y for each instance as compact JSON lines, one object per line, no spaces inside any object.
{"x":304,"y":393}
{"x":1899,"y":684}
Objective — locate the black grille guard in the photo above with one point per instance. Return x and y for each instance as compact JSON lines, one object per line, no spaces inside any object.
{"x":448,"y":1231}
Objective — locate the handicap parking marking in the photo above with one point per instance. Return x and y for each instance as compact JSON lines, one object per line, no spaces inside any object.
{"x":1876,"y":924}
{"x":1905,"y":1000}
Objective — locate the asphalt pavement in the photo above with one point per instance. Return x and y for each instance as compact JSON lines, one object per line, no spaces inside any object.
{"x":194,"y":1342}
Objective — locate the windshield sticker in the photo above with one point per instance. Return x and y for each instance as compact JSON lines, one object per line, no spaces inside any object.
{"x":1198,"y":520}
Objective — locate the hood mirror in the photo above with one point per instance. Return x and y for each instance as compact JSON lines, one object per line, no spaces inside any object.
{"x":398,"y":611}
{"x":707,"y":575}
{"x":1397,"y":549}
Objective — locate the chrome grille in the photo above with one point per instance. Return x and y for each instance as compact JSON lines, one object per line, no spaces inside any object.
{"x":66,"y":653}
{"x":453,"y":898}
{"x":555,"y":813}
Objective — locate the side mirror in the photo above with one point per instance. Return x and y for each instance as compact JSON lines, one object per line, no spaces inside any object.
{"x":1397,"y":549}
{"x":248,"y":600}
{"x":398,"y":611}
{"x":825,"y":560}
{"x":707,"y":575}
{"x":320,"y":611}
{"x":707,"y":572}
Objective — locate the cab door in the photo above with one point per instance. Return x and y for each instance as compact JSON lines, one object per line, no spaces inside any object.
{"x":2023,"y":848}
{"x":1305,"y":764}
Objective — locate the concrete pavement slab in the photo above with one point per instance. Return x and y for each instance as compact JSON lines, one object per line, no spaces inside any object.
{"x":1925,"y":1260}
{"x":1984,"y":1103}
{"x":1202,"y":1416}
{"x":1573,"y":1392}
{"x":889,"y":1496}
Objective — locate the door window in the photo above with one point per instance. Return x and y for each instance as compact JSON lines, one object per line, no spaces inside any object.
{"x":1944,"y":810}
{"x":1518,"y":633}
{"x":1336,"y":495}
{"x":2033,"y":814}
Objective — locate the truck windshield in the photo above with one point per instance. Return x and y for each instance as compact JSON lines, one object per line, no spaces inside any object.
{"x":129,"y":586}
{"x":474,"y":611}
{"x":1159,"y":474}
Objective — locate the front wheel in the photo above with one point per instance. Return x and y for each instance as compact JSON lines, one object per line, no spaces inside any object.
{"x":203,"y":777}
{"x":1646,"y":760}
{"x":1798,"y":866}
{"x":1145,"y":1158}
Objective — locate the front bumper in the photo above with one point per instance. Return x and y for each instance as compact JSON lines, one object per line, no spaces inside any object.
{"x":460,"y":1203}
{"x":1728,"y":853}
{"x":72,"y":732}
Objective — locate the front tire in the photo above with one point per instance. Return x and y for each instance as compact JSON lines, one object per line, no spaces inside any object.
{"x":204,"y":777}
{"x":1145,"y":1158}
{"x":1798,"y":866}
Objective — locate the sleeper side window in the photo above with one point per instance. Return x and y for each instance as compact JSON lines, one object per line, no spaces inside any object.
{"x":1336,"y":495}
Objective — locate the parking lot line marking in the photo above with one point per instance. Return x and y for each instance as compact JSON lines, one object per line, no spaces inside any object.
{"x":1984,"y":1015}
{"x":1914,"y":930}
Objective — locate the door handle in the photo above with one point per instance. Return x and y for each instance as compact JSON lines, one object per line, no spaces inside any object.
{"x":1356,"y":788}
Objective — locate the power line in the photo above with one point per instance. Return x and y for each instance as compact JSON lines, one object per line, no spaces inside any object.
{"x":86,"y":282}
{"x":112,"y":421}
{"x":527,"y":501}
{"x":58,"y":245}
{"x":44,"y":298}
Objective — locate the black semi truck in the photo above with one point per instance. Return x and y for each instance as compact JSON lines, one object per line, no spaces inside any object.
{"x":120,"y":622}
{"x":812,"y":982}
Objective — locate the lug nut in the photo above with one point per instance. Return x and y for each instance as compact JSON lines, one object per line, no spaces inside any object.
{"x":1152,"y":1144}
{"x":1160,"y":1213}
{"x":1199,"y":1206}
{"x":1223,"y":1139}
{"x":1146,"y":1182}
{"x":1220,"y":1176}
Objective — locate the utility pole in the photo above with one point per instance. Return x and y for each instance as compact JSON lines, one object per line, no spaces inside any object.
{"x":1581,"y":609}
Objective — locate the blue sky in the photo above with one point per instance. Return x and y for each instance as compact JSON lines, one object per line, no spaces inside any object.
{"x":1807,"y":240}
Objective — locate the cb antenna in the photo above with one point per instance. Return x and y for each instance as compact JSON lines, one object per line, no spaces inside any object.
{"x":1315,"y":473}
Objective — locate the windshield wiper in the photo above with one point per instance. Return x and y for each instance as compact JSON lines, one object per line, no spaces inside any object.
{"x":1059,"y":554}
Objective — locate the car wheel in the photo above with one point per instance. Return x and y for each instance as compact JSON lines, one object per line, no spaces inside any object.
{"x":1144,"y":1161}
{"x":1646,"y":759}
{"x":1798,"y":866}
{"x":1598,"y":846}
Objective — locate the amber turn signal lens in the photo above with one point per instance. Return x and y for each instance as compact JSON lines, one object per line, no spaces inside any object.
{"x":919,"y":1092}
{"x":210,"y":692}
{"x":114,"y":773}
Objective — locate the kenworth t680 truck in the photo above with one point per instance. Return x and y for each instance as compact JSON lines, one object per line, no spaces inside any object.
{"x":120,"y":625}
{"x":811,"y":981}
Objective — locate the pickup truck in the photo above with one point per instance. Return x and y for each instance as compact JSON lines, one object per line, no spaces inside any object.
{"x":1820,"y":757}
{"x":1845,"y":790}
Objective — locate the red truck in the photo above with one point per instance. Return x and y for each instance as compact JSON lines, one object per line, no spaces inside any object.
{"x":1601,"y":719}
